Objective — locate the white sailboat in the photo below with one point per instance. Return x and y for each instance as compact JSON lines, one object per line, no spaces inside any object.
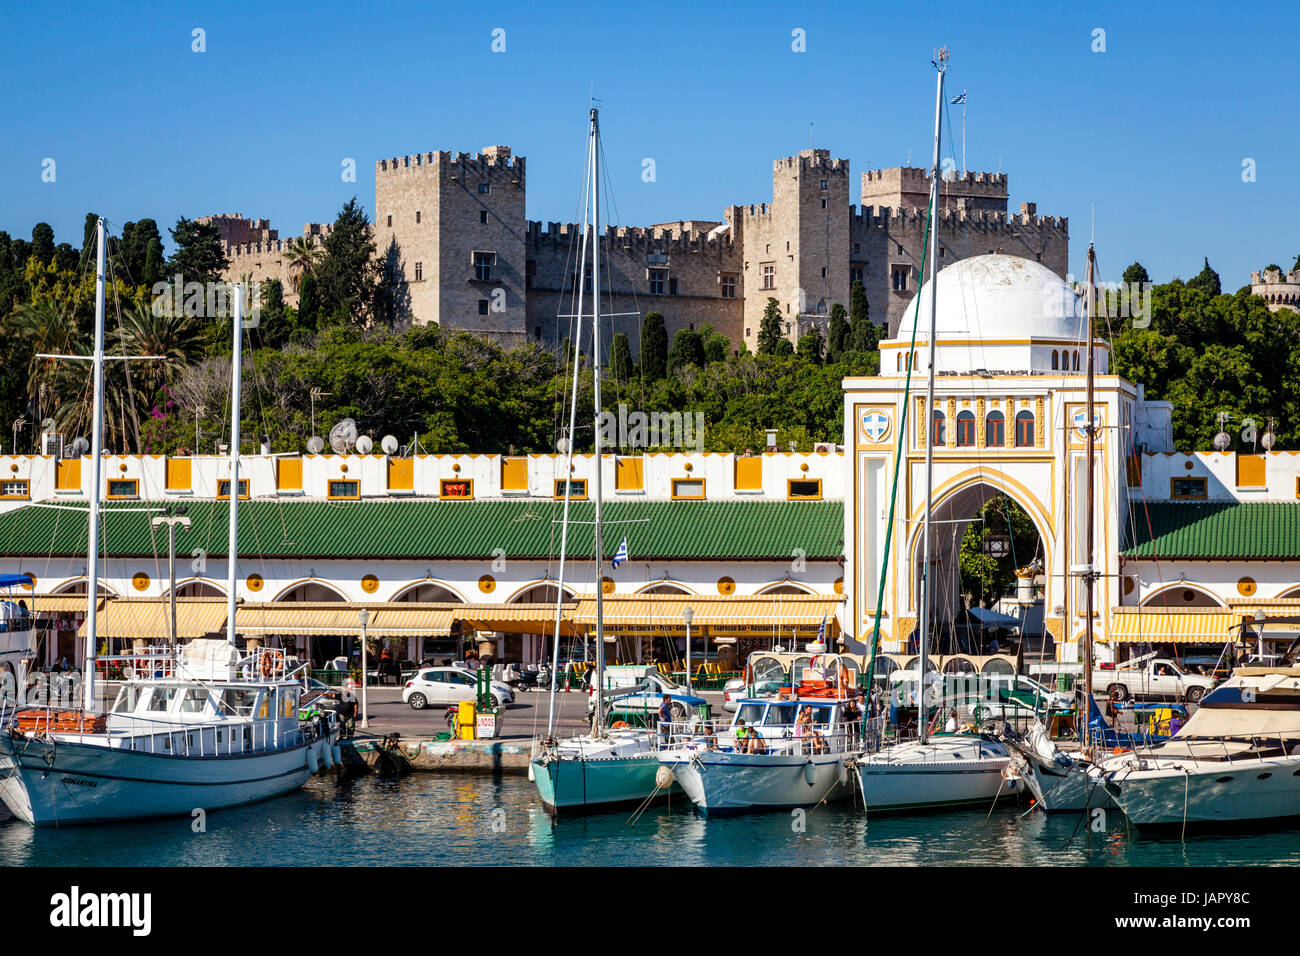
{"x":943,"y":770}
{"x":204,"y":729}
{"x":606,"y":767}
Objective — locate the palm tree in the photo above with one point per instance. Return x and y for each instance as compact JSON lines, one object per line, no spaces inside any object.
{"x":48,"y":328}
{"x":302,"y":254}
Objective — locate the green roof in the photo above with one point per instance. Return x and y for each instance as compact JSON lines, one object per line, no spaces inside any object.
{"x":422,"y":528}
{"x":1215,"y":530}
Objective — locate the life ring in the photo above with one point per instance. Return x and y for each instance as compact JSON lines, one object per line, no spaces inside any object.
{"x":618,"y":725}
{"x":267,"y":665}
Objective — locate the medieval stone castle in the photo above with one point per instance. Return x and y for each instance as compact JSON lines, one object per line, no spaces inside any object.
{"x":455,"y":227}
{"x":1281,"y":290}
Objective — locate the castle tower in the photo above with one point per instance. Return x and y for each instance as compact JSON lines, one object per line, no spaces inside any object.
{"x":796,"y":249}
{"x":1281,"y":290}
{"x":452,"y":225}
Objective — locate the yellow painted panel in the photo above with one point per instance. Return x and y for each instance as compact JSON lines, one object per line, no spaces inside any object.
{"x":514,"y":474}
{"x":630,"y":474}
{"x":69,"y":476}
{"x":288,"y":474}
{"x":1250,"y":471}
{"x":401,"y":474}
{"x":178,"y":474}
{"x":749,"y":474}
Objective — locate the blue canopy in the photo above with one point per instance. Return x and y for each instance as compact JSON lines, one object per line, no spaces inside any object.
{"x":16,"y":580}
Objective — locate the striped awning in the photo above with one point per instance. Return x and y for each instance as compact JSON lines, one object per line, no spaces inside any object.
{"x":149,"y":619}
{"x":515,"y":618}
{"x":1211,"y":626}
{"x":412,"y":620}
{"x":302,"y":618}
{"x":53,"y":603}
{"x":766,"y":614}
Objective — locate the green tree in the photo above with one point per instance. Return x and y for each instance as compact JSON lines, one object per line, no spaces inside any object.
{"x":347,"y":272}
{"x":620,"y":358}
{"x":837,"y":333}
{"x":654,"y":348}
{"x":1136,"y":274}
{"x":302,"y":255}
{"x":153,"y":263}
{"x":810,"y":346}
{"x":1207,"y":280}
{"x":687,"y":349}
{"x":784,"y":348}
{"x":769,"y":330}
{"x":43,"y":242}
{"x":308,"y":304}
{"x":863,"y":335}
{"x":199,"y":255}
{"x":716,"y":348}
{"x":984,"y":577}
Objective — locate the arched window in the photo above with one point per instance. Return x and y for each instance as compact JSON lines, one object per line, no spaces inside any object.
{"x":995,"y":430}
{"x":1025,"y":429}
{"x":899,"y":364}
{"x":1056,"y":360}
{"x":965,"y":428}
{"x":1076,"y":361}
{"x":938,"y":434}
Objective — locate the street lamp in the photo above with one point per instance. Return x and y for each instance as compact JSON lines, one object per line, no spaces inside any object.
{"x":171,"y":521}
{"x":1260,"y":618}
{"x":364,"y":616}
{"x":688,"y":615}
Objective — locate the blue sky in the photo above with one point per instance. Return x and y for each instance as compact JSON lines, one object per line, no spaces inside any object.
{"x":1151,"y":133}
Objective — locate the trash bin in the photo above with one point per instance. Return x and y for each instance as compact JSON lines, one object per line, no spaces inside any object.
{"x":488,"y":723}
{"x":466,"y":724}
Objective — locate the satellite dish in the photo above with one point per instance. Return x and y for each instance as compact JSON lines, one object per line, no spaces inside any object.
{"x":79,"y":447}
{"x":562,"y":446}
{"x":343,"y":436}
{"x":364,"y":444}
{"x":315,"y":444}
{"x":389,"y":445}
{"x":48,"y":425}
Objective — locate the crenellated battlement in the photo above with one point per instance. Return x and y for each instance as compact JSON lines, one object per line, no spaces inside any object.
{"x":316,"y":231}
{"x":490,"y":162}
{"x":909,"y":218}
{"x":915,"y":176}
{"x":811,"y":159}
{"x":664,"y":238}
{"x":1281,"y":290}
{"x":1275,"y":277}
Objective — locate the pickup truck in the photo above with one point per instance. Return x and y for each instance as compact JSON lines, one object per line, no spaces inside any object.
{"x":1150,"y":677}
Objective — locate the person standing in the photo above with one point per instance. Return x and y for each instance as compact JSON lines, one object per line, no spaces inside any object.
{"x":348,"y":708}
{"x":665,"y":718}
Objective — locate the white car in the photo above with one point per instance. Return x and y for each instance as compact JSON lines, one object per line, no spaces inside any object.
{"x":450,"y":685}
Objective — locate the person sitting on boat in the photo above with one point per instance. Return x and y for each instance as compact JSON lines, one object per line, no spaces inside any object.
{"x":748,"y":740}
{"x":804,"y":728}
{"x":951,"y":726}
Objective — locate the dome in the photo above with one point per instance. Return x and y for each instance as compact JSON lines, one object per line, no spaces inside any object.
{"x":997,"y":297}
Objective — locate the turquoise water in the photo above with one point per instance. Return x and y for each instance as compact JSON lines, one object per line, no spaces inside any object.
{"x":443,"y":819}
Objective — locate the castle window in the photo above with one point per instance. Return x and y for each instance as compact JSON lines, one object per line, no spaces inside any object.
{"x":530,"y":270}
{"x":417,"y":215}
{"x":419,"y":271}
{"x":482,"y":215}
{"x":823,"y":272}
{"x":857,"y":247}
{"x":537,"y":332}
{"x":728,"y":287}
{"x":938,"y":431}
{"x":965,"y":428}
{"x":995,"y":429}
{"x":390,"y":222}
{"x":1056,"y":360}
{"x":825,"y":185}
{"x":898,"y":277}
{"x":1025,"y":429}
{"x":823,"y":203}
{"x":789,"y":326}
{"x":767,"y":247}
{"x":769,"y":275}
{"x":855,"y":275}
{"x":900,"y":248}
{"x":657,"y":277}
{"x":484,"y":188}
{"x":672,"y":288}
{"x":483,"y":263}
{"x":482,"y":306}
{"x":1038,"y":256}
{"x":749,"y":332}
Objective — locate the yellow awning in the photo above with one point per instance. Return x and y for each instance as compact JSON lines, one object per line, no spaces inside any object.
{"x":515,"y":618}
{"x":300,"y":618}
{"x":412,"y":620}
{"x":721,"y":615}
{"x":149,"y":618}
{"x":1178,"y":627}
{"x":53,"y":603}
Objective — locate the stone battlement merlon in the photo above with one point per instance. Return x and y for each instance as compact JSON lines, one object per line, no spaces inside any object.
{"x":818,"y":159}
{"x":909,"y":218}
{"x":663,"y":240}
{"x":490,"y":161}
{"x":913,"y":175}
{"x":1272,"y":277}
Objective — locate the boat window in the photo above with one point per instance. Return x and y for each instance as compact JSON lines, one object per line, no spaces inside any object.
{"x":768,"y":669}
{"x":194,"y":701}
{"x":238,"y":701}
{"x":264,"y":706}
{"x":127,"y":699}
{"x":821,"y":713}
{"x":288,"y":702}
{"x":779,"y":714}
{"x":162,"y":699}
{"x":750,"y":713}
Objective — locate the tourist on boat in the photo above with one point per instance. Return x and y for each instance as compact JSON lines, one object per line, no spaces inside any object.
{"x":804,"y":728}
{"x":852,"y":716}
{"x":348,"y":708}
{"x":665,"y":718}
{"x":951,"y":726}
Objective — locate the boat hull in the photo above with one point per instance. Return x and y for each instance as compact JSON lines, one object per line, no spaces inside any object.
{"x":934,"y":777}
{"x":568,"y":785}
{"x":1073,"y":789}
{"x":719,"y":782}
{"x":1255,"y":790}
{"x":68,"y":783}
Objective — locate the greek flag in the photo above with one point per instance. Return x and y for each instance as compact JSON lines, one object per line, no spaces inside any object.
{"x":821,"y":631}
{"x":958,"y":100}
{"x":620,"y":556}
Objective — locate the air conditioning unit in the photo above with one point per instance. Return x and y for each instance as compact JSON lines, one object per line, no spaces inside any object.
{"x":52,"y":444}
{"x":823,"y":448}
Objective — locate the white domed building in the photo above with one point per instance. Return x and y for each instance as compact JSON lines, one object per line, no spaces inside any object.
{"x":1010,"y":360}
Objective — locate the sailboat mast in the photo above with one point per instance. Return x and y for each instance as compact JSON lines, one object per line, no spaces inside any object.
{"x":1091,"y":432}
{"x":233,"y":558}
{"x":941,"y":62}
{"x":595,"y":378}
{"x":96,"y":464}
{"x":568,"y":476}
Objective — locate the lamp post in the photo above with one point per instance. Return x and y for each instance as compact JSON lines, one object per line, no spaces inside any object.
{"x":364,"y":616}
{"x":688,"y":615}
{"x":171,"y":521}
{"x":1260,"y":618}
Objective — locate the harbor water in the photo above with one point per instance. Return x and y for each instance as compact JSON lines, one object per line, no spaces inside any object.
{"x":435,"y":819}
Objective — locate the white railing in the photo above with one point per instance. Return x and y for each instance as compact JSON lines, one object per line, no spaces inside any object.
{"x":800,"y":739}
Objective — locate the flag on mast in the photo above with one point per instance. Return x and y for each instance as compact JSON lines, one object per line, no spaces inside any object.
{"x":620,"y":556}
{"x":959,"y":99}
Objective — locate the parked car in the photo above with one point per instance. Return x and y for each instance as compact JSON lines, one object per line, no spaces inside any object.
{"x":450,"y":685}
{"x":647,"y":699}
{"x":644,"y":678}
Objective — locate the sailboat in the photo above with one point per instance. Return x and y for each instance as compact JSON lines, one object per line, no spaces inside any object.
{"x":940,"y":770}
{"x":203,"y":729}
{"x":606,"y":767}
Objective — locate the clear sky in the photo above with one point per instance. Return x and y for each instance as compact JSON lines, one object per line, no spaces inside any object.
{"x":1151,"y":133}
